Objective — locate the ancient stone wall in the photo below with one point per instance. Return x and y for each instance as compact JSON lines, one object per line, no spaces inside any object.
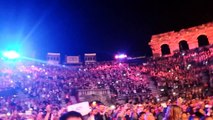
{"x":173,"y":38}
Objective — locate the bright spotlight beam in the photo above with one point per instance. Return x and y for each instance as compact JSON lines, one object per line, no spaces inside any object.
{"x":120,"y":56}
{"x":11,"y":54}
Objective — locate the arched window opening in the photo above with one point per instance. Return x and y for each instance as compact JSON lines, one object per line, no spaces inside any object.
{"x":165,"y":50}
{"x":183,"y":45}
{"x":202,"y":40}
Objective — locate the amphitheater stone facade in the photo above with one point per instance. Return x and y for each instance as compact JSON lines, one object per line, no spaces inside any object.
{"x":190,"y":38}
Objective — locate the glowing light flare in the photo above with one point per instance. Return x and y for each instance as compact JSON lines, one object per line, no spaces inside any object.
{"x":94,"y":103}
{"x":11,"y":54}
{"x":112,"y":107}
{"x":120,"y":56}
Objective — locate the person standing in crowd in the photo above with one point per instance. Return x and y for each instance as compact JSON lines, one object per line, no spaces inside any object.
{"x":92,"y":114}
{"x":149,"y":116}
{"x":101,"y":115}
{"x":173,"y":112}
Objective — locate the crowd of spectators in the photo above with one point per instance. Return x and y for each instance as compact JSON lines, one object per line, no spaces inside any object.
{"x":28,"y":87}
{"x":187,"y":73}
{"x":180,"y":109}
{"x":31,"y":86}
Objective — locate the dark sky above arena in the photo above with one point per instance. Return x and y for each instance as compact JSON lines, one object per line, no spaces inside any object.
{"x":106,"y":27}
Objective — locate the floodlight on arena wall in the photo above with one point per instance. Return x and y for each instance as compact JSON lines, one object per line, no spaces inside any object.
{"x":120,"y":56}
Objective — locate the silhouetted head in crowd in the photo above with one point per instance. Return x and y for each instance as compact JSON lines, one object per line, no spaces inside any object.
{"x":141,"y":116}
{"x":185,"y":116}
{"x":149,"y":116}
{"x":195,"y":118}
{"x":71,"y":116}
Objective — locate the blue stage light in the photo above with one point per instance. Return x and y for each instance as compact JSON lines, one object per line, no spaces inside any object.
{"x":11,"y":54}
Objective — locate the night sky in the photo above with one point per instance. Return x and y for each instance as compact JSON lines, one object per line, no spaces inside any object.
{"x":106,"y":27}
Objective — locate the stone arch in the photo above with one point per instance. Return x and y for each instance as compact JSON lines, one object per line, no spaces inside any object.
{"x":165,"y":50}
{"x":183,"y":45}
{"x":191,"y":35}
{"x":202,"y":40}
